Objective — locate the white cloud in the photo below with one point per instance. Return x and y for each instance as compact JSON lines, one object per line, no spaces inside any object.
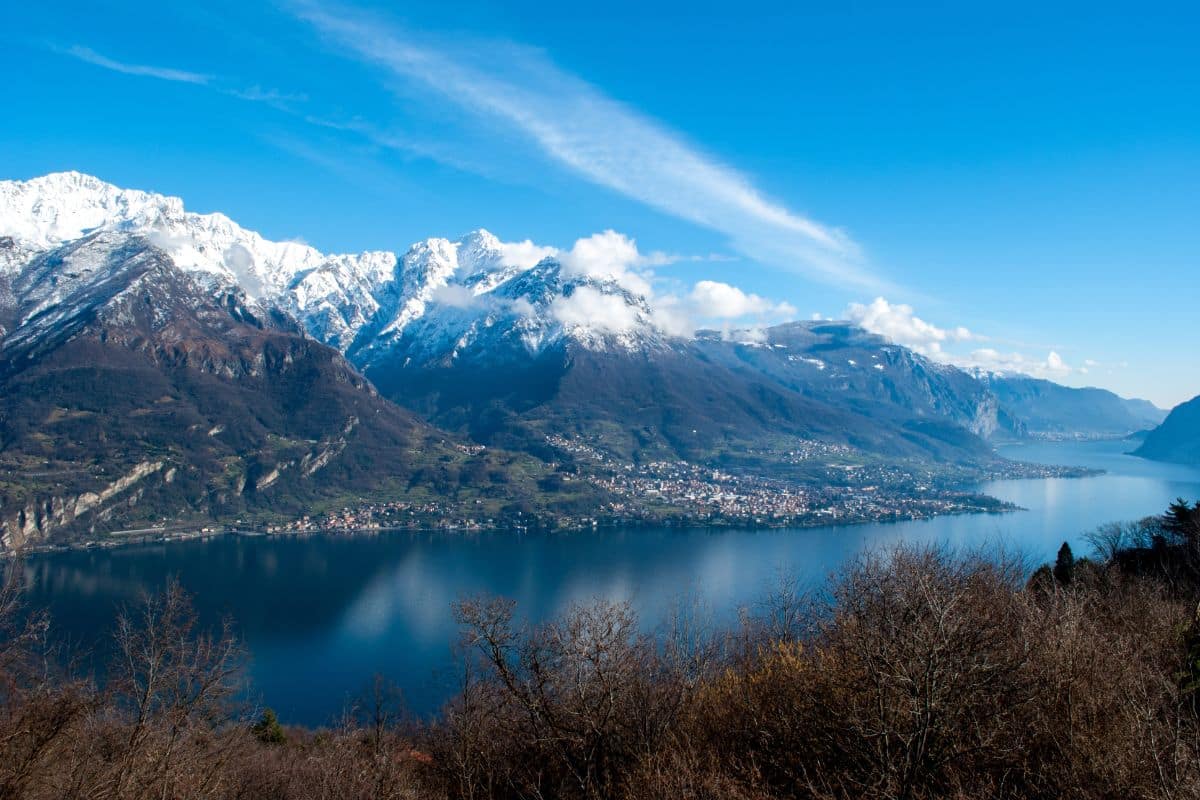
{"x":525,"y":254}
{"x":601,"y":254}
{"x":455,"y":296}
{"x":658,"y":258}
{"x":273,"y":97}
{"x":671,"y":315}
{"x":255,"y":94}
{"x":522,"y":307}
{"x":1052,"y":366}
{"x":752,"y":335}
{"x":900,"y":324}
{"x":162,"y":73}
{"x":608,"y":256}
{"x":613,"y":256}
{"x":587,"y":307}
{"x":575,"y":125}
{"x":716,"y":300}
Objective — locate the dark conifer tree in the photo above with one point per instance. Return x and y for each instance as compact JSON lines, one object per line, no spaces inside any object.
{"x":1182,"y":521}
{"x":268,"y":729}
{"x":1064,"y":565}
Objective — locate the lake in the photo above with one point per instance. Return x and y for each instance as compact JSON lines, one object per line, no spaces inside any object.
{"x":321,"y":614}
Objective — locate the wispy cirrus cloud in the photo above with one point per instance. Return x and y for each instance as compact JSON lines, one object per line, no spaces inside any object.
{"x":406,"y":145}
{"x":90,"y":56}
{"x":254,"y":93}
{"x":575,"y":125}
{"x":272,"y":97}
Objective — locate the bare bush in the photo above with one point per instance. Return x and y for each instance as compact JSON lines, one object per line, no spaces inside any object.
{"x":587,"y":696}
{"x":42,"y":706}
{"x":1109,"y":540}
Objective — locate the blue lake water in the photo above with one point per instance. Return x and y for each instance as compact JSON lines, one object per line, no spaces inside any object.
{"x":320,"y":615}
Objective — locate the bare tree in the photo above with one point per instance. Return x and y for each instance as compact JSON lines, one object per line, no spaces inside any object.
{"x":589,"y":692}
{"x":1109,"y":540}
{"x":175,"y":685}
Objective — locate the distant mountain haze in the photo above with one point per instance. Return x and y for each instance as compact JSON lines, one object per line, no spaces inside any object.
{"x":1046,"y":408}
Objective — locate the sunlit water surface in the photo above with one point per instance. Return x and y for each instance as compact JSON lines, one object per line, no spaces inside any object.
{"x":320,"y":615}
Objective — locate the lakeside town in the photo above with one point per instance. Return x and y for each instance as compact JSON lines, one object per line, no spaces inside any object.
{"x":838,"y":488}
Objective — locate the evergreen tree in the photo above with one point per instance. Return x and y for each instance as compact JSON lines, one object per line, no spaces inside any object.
{"x":1064,"y":565}
{"x":1182,"y":521}
{"x":268,"y":729}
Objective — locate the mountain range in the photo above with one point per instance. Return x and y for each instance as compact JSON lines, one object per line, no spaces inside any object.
{"x":160,"y":363}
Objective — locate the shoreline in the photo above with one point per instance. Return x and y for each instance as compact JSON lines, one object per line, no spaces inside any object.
{"x":176,"y":537}
{"x":210,"y":529}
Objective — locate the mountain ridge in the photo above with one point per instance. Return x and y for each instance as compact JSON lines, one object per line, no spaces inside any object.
{"x":451,"y":290}
{"x":333,"y":295}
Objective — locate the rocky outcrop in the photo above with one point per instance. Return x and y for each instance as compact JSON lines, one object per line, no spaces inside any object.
{"x":37,"y":520}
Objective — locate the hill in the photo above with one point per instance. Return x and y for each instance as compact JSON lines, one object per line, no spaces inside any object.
{"x":1177,"y":439}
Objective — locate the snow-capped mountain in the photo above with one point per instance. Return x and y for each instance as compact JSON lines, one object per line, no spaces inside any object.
{"x":445,"y":313}
{"x":537,"y":309}
{"x":433,"y":273}
{"x":45,"y":212}
{"x":162,"y":363}
{"x":145,"y":394}
{"x":359,"y":303}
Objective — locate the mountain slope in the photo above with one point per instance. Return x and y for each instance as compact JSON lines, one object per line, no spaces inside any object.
{"x":842,"y":364}
{"x":1177,"y":439}
{"x":551,"y":352}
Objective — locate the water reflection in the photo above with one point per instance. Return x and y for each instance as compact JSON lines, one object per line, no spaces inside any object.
{"x":321,"y":614}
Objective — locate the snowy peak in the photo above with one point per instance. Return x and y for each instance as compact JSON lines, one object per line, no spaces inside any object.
{"x":45,"y":212}
{"x":542,"y":307}
{"x":56,"y":208}
{"x":479,"y":251}
{"x":471,"y":289}
{"x":485,"y":262}
{"x":337,"y":298}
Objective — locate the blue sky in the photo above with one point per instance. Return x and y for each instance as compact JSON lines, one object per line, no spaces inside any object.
{"x":1018,"y":184}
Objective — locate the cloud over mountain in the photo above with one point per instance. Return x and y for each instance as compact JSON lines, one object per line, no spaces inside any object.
{"x":900,"y":324}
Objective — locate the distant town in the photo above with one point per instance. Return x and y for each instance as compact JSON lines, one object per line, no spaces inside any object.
{"x":683,"y":493}
{"x":838,"y":486}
